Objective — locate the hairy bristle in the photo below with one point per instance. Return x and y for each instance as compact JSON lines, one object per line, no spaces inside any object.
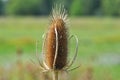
{"x":58,"y":23}
{"x":59,"y":12}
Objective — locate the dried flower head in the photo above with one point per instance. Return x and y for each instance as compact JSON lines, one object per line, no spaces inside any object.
{"x":55,"y":45}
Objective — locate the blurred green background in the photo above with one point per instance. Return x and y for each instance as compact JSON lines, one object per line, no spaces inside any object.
{"x":74,"y":7}
{"x":95,"y":22}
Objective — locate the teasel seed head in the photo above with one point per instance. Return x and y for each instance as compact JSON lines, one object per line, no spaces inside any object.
{"x":56,"y":42}
{"x":55,"y":45}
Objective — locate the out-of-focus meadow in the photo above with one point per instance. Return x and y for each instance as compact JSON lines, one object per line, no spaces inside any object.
{"x":99,"y":43}
{"x":95,"y":22}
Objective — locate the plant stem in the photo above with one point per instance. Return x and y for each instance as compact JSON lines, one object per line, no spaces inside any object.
{"x":55,"y":75}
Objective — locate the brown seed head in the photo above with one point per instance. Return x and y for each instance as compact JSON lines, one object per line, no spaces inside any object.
{"x":50,"y":43}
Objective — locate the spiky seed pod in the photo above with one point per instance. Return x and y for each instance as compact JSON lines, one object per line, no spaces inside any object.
{"x":55,"y":45}
{"x":58,"y":23}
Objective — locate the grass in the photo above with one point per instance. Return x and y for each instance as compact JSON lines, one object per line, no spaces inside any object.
{"x":97,"y":36}
{"x":94,"y":33}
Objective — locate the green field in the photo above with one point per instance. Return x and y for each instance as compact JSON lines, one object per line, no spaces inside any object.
{"x":98,"y":37}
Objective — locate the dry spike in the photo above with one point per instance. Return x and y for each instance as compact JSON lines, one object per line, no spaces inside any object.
{"x":55,"y":45}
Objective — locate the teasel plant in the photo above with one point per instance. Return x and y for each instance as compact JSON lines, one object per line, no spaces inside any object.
{"x":55,"y":44}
